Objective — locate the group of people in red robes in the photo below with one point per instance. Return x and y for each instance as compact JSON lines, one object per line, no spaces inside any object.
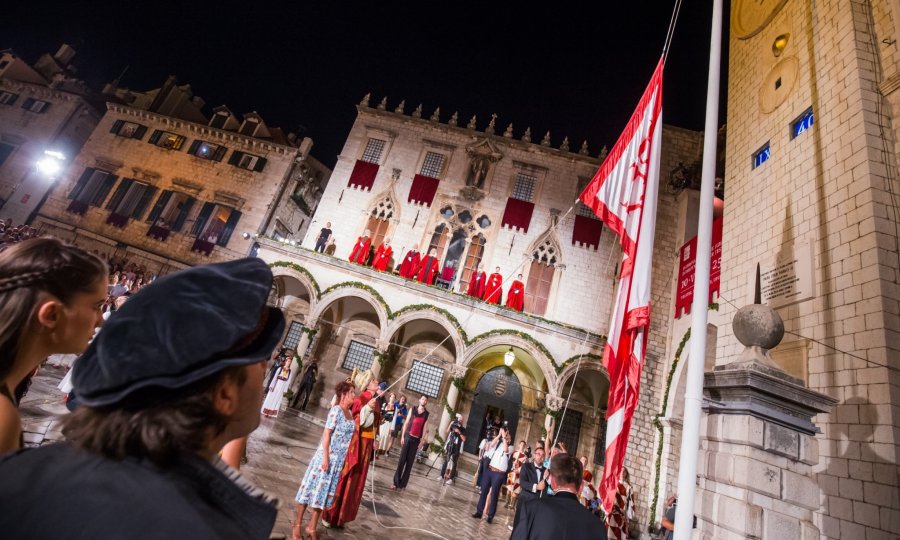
{"x":362,"y":253}
{"x":490,"y":288}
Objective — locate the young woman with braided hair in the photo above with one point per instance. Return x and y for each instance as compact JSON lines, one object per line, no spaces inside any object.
{"x":51,"y":296}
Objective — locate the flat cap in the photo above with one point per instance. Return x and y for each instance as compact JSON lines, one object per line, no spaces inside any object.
{"x":179,"y":329}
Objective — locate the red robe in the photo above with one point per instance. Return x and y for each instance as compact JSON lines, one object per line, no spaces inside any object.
{"x":361,"y":250}
{"x":356,"y":466}
{"x":410,"y":265}
{"x":516,"y":297}
{"x":476,"y":285}
{"x":382,"y":257}
{"x":427,"y":270}
{"x":493,"y":291}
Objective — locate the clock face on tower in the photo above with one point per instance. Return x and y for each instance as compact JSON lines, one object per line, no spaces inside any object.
{"x":748,"y":17}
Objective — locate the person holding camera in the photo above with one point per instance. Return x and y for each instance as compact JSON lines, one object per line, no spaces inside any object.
{"x":455,"y":438}
{"x":495,"y":474}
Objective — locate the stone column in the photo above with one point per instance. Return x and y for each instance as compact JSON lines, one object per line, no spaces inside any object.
{"x":554,"y":403}
{"x":305,"y":337}
{"x":456,"y":371}
{"x":528,"y":419}
{"x":380,"y":350}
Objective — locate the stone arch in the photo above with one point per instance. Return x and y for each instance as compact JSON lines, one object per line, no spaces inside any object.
{"x":588,"y":363}
{"x":583,"y":427}
{"x":543,"y":363}
{"x":350,"y":291}
{"x":431,"y":315}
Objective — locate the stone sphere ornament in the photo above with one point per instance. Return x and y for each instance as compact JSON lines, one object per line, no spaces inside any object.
{"x":758,"y":325}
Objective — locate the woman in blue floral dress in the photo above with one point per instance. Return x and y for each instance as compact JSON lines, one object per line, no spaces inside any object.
{"x":324,"y":470}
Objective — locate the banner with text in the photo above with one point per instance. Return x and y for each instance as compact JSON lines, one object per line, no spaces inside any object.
{"x":687,"y":262}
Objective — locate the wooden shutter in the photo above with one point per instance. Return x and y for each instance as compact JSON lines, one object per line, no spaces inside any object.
{"x":220,"y":153}
{"x":117,"y":126}
{"x":182,"y":216}
{"x":537,"y":290}
{"x":155,"y":137}
{"x":146,"y":196}
{"x":28,"y":103}
{"x":192,"y":150}
{"x":473,"y":257}
{"x":119,"y":194}
{"x":139,"y":132}
{"x":79,"y":185}
{"x":159,"y":206}
{"x":229,"y":228}
{"x":202,"y":218}
{"x":235,"y":158}
{"x":260,"y":164}
{"x":104,"y":190}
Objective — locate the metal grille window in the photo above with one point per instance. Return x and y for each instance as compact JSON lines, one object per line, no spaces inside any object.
{"x":374,"y":149}
{"x":582,"y":209}
{"x":293,"y":335}
{"x":524,"y":188}
{"x":570,"y":430}
{"x":433,"y":165}
{"x":359,"y":355}
{"x":425,"y":379}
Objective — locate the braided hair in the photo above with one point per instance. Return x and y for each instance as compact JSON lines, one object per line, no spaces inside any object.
{"x":33,"y":267}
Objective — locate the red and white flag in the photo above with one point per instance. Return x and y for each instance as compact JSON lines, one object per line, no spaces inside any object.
{"x":623,"y":194}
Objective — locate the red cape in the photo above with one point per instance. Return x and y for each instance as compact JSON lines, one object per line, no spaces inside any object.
{"x":410,"y":264}
{"x":382,"y":257}
{"x":476,"y":284}
{"x":516,"y":297}
{"x":427,"y":270}
{"x":493,"y":291}
{"x":361,"y":250}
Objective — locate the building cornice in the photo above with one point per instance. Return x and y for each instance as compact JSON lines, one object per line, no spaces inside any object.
{"x":39,"y":90}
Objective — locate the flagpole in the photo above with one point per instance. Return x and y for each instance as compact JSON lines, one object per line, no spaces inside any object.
{"x":693,"y":395}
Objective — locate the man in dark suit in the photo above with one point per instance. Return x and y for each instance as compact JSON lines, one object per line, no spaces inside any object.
{"x":531,"y":481}
{"x":560,"y":516}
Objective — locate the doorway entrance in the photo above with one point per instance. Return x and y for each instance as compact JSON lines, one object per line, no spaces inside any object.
{"x":498,"y":399}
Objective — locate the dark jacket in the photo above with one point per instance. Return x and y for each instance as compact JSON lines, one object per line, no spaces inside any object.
{"x":559,"y":517}
{"x":529,"y":476}
{"x":57,"y":492}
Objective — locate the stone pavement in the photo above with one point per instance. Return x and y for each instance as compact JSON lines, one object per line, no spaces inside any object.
{"x":278,"y":453}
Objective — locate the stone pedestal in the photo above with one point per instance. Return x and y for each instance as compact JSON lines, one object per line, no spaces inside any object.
{"x":757,"y":451}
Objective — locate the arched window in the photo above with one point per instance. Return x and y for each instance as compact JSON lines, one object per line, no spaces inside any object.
{"x":380,"y":220}
{"x":540,"y":277}
{"x":473,"y":257}
{"x":439,"y":239}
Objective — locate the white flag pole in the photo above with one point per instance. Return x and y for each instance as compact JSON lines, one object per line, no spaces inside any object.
{"x":693,"y":395}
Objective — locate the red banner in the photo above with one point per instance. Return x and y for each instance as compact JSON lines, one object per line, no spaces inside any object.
{"x":687,"y":262}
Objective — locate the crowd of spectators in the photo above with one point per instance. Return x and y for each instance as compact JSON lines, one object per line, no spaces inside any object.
{"x":10,"y":235}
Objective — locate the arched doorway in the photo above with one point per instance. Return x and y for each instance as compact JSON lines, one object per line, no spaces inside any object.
{"x":497,"y":395}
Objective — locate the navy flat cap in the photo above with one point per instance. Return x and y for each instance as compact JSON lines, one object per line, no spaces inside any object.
{"x":179,"y":329}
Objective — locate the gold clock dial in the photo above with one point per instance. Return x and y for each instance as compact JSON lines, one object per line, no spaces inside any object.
{"x":748,"y":17}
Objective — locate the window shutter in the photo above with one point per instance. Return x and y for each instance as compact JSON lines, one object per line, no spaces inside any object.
{"x":182,"y":216}
{"x":28,"y":103}
{"x":79,"y":185}
{"x":159,"y":206}
{"x":44,"y":107}
{"x":194,"y":147}
{"x":235,"y":158}
{"x":119,"y":194}
{"x":155,"y":137}
{"x":104,"y":190}
{"x":139,"y":132}
{"x":202,"y":218}
{"x":220,"y":153}
{"x":260,"y":164}
{"x":146,"y":196}
{"x":229,"y":228}
{"x":117,"y":126}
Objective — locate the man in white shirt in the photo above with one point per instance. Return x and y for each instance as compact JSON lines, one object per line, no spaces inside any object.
{"x":494,"y":474}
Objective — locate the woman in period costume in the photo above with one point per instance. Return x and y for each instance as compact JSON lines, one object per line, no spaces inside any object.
{"x":387,"y":425}
{"x":517,"y":459}
{"x":623,"y":509}
{"x":323,"y":473}
{"x":410,"y":265}
{"x":277,"y":388}
{"x":477,"y":282}
{"x":515,"y":298}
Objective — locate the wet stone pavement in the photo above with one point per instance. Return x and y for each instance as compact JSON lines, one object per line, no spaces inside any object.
{"x":277,"y":456}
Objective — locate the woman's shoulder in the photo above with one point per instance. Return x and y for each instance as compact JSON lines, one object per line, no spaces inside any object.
{"x":10,"y":427}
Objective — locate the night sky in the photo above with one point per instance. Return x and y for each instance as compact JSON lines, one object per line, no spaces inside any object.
{"x":305,"y":65}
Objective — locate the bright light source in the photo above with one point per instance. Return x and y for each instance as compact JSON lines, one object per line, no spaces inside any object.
{"x":51,"y":163}
{"x":53,"y":153}
{"x":509,"y":357}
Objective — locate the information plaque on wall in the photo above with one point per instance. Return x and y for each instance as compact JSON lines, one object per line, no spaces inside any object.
{"x":788,"y":277}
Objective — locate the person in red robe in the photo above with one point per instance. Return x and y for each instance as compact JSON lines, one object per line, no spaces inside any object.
{"x":383,"y":255}
{"x":410,"y":265}
{"x":516,"y":297}
{"x":428,"y":268}
{"x":493,"y":291}
{"x":476,"y":282}
{"x":361,"y":248}
{"x":367,"y":416}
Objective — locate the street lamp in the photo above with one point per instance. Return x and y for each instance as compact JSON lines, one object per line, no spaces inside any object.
{"x":50,"y":164}
{"x":508,"y":357}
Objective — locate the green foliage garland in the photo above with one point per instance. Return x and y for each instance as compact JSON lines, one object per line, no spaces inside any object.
{"x":419,"y":307}
{"x":523,"y":335}
{"x":459,"y":383}
{"x":304,"y":271}
{"x":587,"y":356}
{"x":363,"y":286}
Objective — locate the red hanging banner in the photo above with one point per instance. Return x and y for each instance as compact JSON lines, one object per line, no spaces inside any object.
{"x":687,"y":262}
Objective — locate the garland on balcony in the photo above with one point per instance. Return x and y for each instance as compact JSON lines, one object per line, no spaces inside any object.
{"x":459,"y":383}
{"x":304,"y":271}
{"x":363,"y":286}
{"x":420,"y":307}
{"x":520,"y":334}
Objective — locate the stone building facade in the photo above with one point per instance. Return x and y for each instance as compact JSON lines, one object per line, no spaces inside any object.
{"x":171,"y":193}
{"x":811,"y":183}
{"x":475,"y":195}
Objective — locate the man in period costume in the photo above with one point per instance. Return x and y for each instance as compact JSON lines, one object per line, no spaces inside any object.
{"x":410,"y":265}
{"x":515,"y":299}
{"x":477,"y":282}
{"x":383,"y":255}
{"x":428,"y":269}
{"x":367,"y":416}
{"x":361,"y":248}
{"x":493,"y":291}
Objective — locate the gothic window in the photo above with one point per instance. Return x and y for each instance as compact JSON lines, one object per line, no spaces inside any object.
{"x":373,"y":151}
{"x":473,"y":258}
{"x":540,"y":278}
{"x":380,"y":220}
{"x":439,"y":239}
{"x":524,"y":187}
{"x":433,"y":165}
